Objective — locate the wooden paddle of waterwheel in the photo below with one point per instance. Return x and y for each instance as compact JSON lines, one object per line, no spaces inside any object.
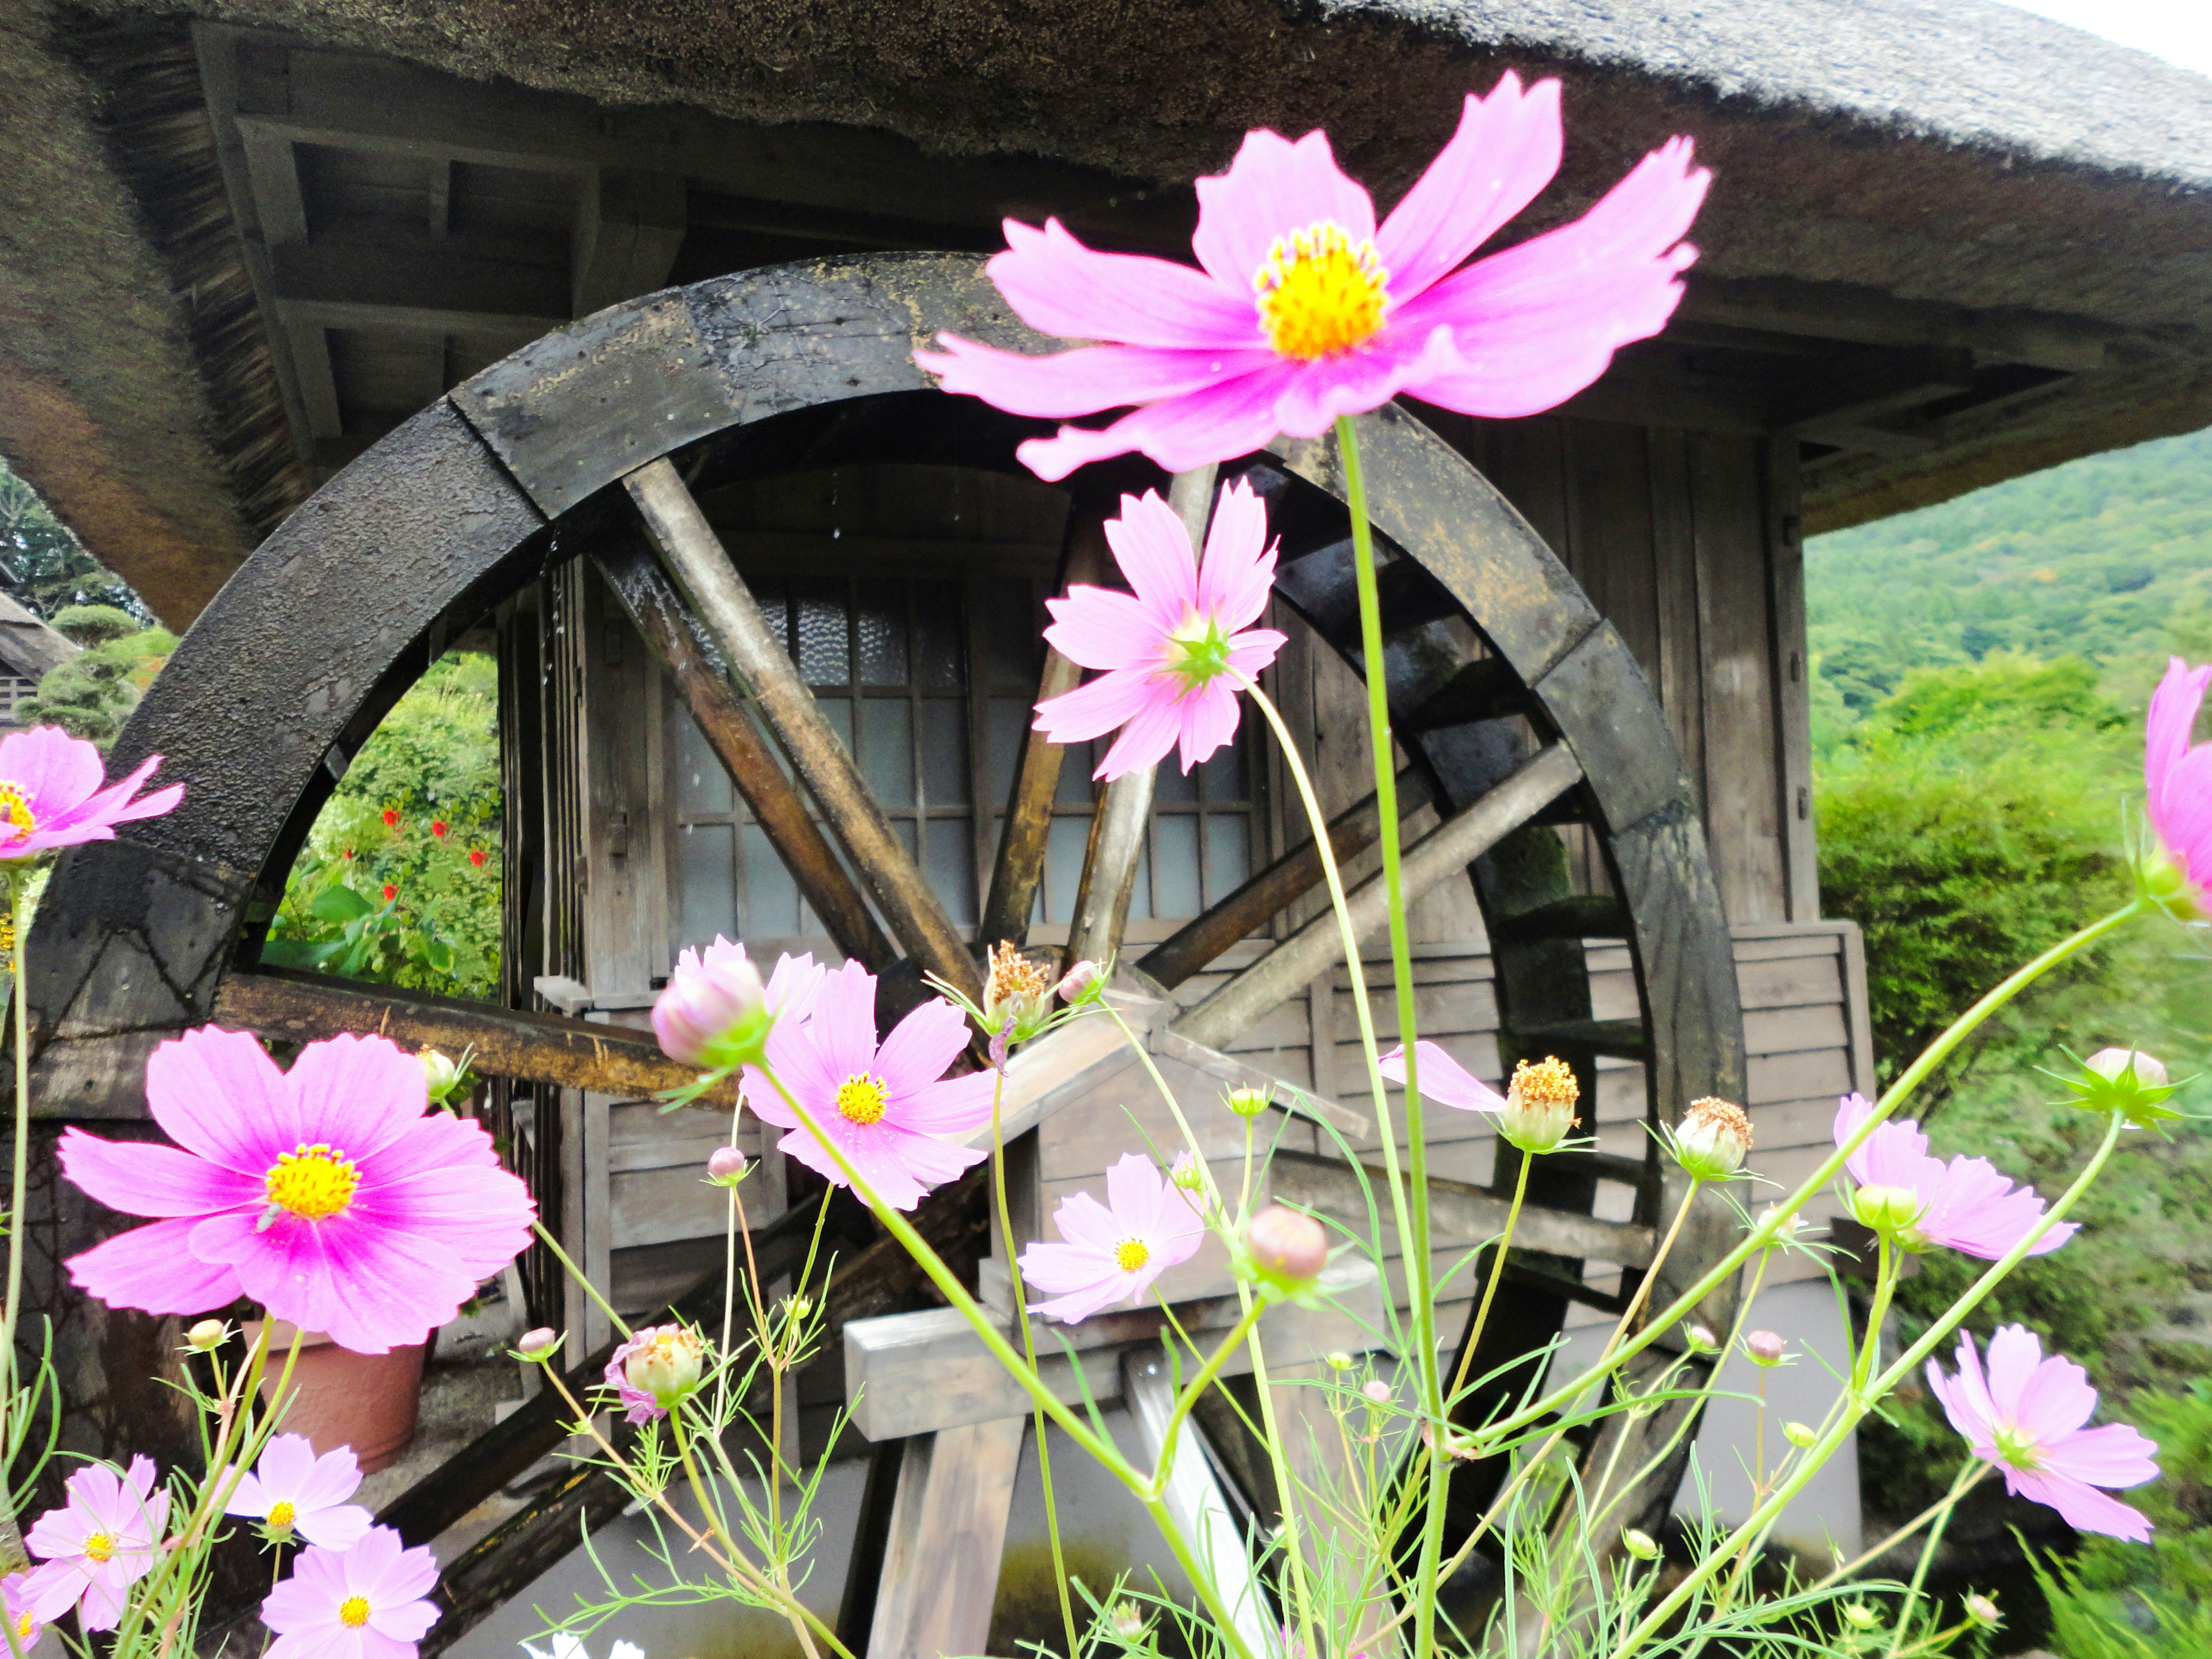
{"x":1530,"y":739}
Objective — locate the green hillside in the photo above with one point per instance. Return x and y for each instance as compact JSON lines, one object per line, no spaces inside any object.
{"x":2108,"y":558}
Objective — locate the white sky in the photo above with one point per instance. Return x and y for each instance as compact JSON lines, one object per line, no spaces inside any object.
{"x":2179,"y":31}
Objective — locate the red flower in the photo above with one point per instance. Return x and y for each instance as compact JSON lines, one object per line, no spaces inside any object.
{"x":438,"y":828}
{"x":391,"y":892}
{"x":349,"y":852}
{"x":391,"y":817}
{"x":477,"y":856}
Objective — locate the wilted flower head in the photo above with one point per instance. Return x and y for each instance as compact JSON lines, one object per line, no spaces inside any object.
{"x":1127,"y":1620}
{"x":657,"y":1367}
{"x":1918,"y":1201}
{"x":1016,"y":1000}
{"x":2026,"y":1417}
{"x":2178,"y":794}
{"x":1539,"y":1105}
{"x":1287,"y":1246}
{"x":2127,"y":1081}
{"x":1712,"y":1138}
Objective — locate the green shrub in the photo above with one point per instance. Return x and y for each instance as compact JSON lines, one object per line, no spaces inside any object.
{"x":92,"y":695}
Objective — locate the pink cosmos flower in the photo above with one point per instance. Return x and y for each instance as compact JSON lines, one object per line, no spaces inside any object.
{"x":1967,"y":1204}
{"x":1443,"y":1078}
{"x":1168,"y":648}
{"x":17,"y":1598}
{"x":50,"y":793}
{"x":2178,"y":779}
{"x":293,"y":1490}
{"x":326,"y":1194}
{"x":714,"y":1010}
{"x":885,"y":1107}
{"x":103,"y":1539}
{"x":1303,"y":310}
{"x":2025,"y":1417}
{"x":1116,"y":1248}
{"x":368,"y":1602}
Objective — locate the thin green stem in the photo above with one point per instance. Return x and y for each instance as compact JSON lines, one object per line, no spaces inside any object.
{"x":578,"y":1274}
{"x":12,"y":1556}
{"x":1784,"y":1211}
{"x":1971,"y":1477}
{"x":1497,"y":1276}
{"x":1860,"y":1402}
{"x":1887,"y":1268}
{"x":1927,"y":1554}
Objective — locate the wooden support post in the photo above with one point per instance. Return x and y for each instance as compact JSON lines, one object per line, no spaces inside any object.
{"x":948,"y":1531}
{"x":1125,"y":812}
{"x":1200,"y":1510}
{"x":628,"y":228}
{"x":674,"y":636}
{"x":719,"y":596}
{"x":1450,"y":847}
{"x":1037,"y":779}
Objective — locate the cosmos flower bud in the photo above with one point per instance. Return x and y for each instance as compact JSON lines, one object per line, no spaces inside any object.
{"x":1801,"y":1434}
{"x":1188,"y":1173}
{"x":727,"y":1166}
{"x":1640,"y":1544}
{"x":1711,"y":1140}
{"x":539,"y":1343}
{"x":1859,"y":1616}
{"x":1287,"y":1247}
{"x":1540,"y":1104}
{"x":1765,"y":1348}
{"x":664,"y":1364}
{"x":1983,"y":1610}
{"x":1378,"y":1391}
{"x":1338,"y":1360}
{"x":208,"y":1335}
{"x":1889,"y":1210}
{"x":442,"y":1074}
{"x":800,"y":1305}
{"x":1701,"y":1339}
{"x":1251,"y":1099}
{"x":1076,"y":981}
{"x":714,"y":1012}
{"x":2127,"y":1081}
{"x":1016,"y":999}
{"x":1127,"y":1620}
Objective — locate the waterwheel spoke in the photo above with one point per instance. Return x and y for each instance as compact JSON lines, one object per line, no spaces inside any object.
{"x":1275,"y":889}
{"x":1021,"y":843}
{"x":675,"y":637}
{"x":1443,"y":851}
{"x":702,"y":568}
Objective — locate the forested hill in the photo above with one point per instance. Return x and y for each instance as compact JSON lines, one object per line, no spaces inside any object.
{"x":2109,"y":557}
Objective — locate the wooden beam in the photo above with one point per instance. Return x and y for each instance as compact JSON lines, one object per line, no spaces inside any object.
{"x":1444,"y":851}
{"x":1028,"y":829}
{"x":629,"y":227}
{"x":1869,"y":384}
{"x":718,"y":596}
{"x":575,"y":1054}
{"x":1276,"y":888}
{"x":676,"y":638}
{"x":1840,"y":311}
{"x":948,"y":1534}
{"x":449,"y":287}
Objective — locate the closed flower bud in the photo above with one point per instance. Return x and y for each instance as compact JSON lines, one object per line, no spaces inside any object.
{"x":441,"y":1074}
{"x":1640,"y":1544}
{"x":1983,"y":1610}
{"x":1701,"y":1339}
{"x":539,"y":1343}
{"x":1711,"y":1140}
{"x":1076,"y":981}
{"x":727,"y":1166}
{"x":1765,"y":1348}
{"x":1189,"y":1174}
{"x":1889,"y":1210}
{"x":714,"y":1012}
{"x":1801,"y":1434}
{"x":1539,"y":1105}
{"x":1338,"y":1360}
{"x":1250,"y":1100}
{"x":800,"y":1305}
{"x":1378,"y":1391}
{"x":664,"y":1364}
{"x":1287,"y":1247}
{"x":1859,"y":1616}
{"x":2126,"y":1081}
{"x":208,"y":1335}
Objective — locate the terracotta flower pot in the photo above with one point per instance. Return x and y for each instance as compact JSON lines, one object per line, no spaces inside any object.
{"x":368,"y":1401}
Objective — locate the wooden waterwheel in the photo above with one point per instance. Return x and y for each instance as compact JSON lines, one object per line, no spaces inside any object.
{"x":1518,"y":709}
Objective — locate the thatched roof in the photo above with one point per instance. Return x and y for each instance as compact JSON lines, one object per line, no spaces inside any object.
{"x":28,"y":647}
{"x":1947,"y":153}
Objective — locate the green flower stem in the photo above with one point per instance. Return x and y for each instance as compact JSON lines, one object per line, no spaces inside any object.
{"x":711,"y":1513}
{"x":1860,"y":1402}
{"x":1887,"y":1268}
{"x":1967,"y":1476}
{"x":1765,"y":1236}
{"x":13,"y":1558}
{"x":1198,"y":1385}
{"x":1496,"y":1275}
{"x":1029,"y":1354}
{"x":1971,"y":1477}
{"x":578,"y":1274}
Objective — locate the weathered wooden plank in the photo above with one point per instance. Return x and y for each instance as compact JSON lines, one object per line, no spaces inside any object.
{"x":1680,"y":677}
{"x":1460,"y":1213}
{"x":1791,"y":981}
{"x":1771,"y":1031}
{"x":1791,"y":676}
{"x":948,"y":1534}
{"x":628,"y":228}
{"x":1799,"y":1076}
{"x":1444,"y":852}
{"x":676,"y":638}
{"x":297,"y":1007}
{"x":1275,"y":889}
{"x":916,"y":916}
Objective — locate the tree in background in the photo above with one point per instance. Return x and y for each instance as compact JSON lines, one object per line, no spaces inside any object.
{"x":90,"y":695}
{"x":45,"y":566}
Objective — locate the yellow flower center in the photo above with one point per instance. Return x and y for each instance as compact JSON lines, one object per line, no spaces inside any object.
{"x":24,"y":1627}
{"x":353,"y":1612}
{"x":1132,"y":1253}
{"x":281,"y":1512}
{"x":100,"y":1546}
{"x":1321,"y":293}
{"x":861,"y":1098}
{"x":312,"y":1183}
{"x":15,"y":807}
